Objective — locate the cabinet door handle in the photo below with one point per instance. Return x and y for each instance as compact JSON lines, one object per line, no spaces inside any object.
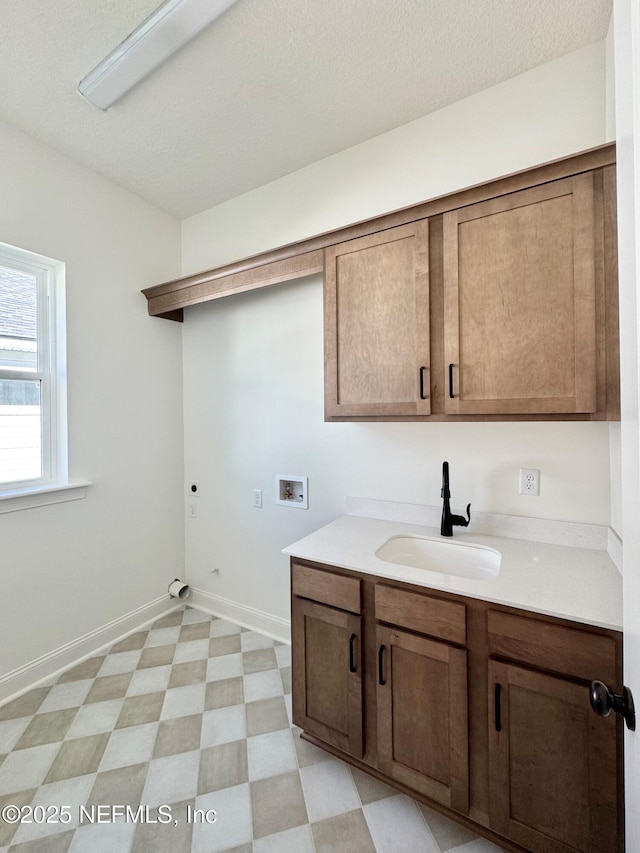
{"x":423,"y":396}
{"x":352,"y":657}
{"x":497,"y":709}
{"x":451,"y":394}
{"x":381,"y":680}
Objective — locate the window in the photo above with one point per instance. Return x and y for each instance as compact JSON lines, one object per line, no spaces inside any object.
{"x":33,"y":453}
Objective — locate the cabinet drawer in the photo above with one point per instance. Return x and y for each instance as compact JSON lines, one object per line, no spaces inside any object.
{"x":569,"y":651}
{"x":326,"y":587}
{"x":434,"y":617}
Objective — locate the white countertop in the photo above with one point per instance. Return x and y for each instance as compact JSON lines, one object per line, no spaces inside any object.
{"x":581,"y":584}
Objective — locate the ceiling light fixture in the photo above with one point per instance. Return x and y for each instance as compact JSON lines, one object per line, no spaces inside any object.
{"x":163,"y":33}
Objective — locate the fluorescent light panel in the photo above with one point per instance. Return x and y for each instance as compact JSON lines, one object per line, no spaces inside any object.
{"x":163,"y":33}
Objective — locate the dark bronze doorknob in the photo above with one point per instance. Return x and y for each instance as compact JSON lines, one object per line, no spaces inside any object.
{"x":603,"y":701}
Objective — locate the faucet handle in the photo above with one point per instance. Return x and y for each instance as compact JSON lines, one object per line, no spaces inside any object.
{"x":460,"y":520}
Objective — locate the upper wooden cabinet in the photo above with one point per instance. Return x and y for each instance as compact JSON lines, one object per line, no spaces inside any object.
{"x":496,"y":302}
{"x":501,"y":309}
{"x":520,"y":302}
{"x":376,"y":306}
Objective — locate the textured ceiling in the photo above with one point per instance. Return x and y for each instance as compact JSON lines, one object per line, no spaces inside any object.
{"x":271,"y":86}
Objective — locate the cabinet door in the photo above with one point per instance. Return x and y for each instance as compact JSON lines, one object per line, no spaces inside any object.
{"x":520,"y":295}
{"x":552,"y":764}
{"x":422,"y":716}
{"x":327,"y":674}
{"x":377,"y":324}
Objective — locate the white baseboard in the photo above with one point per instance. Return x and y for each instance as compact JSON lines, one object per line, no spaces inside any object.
{"x":18,"y":681}
{"x":26,"y":677}
{"x":248,"y":617}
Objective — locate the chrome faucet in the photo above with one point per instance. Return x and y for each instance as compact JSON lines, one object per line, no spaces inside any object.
{"x":449,"y":520}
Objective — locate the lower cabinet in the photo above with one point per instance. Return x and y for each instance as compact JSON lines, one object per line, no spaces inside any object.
{"x":552,"y":763}
{"x":554,"y":778}
{"x":328,"y":678}
{"x":422,"y":716}
{"x":478,"y":710}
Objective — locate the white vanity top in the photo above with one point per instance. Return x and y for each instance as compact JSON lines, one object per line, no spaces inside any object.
{"x":577,"y":583}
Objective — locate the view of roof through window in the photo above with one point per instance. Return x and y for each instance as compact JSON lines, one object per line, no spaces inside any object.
{"x":20,"y":436}
{"x":18,"y":312}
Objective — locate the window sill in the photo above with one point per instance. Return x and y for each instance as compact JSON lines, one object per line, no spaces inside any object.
{"x":42,"y":496}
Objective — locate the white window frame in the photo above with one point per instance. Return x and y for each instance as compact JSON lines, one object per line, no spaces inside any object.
{"x":53,"y":484}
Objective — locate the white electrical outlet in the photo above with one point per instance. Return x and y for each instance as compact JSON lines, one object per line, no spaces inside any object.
{"x":257,"y":498}
{"x":193,"y":511}
{"x":529,"y":481}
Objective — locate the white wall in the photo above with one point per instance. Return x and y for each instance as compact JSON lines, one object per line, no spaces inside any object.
{"x":71,"y":568}
{"x":253,"y":363}
{"x":549,"y":112}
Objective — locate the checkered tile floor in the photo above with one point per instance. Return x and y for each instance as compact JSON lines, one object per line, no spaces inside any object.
{"x":193,"y":713}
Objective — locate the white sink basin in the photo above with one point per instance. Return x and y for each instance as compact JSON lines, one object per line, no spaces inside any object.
{"x":459,"y":559}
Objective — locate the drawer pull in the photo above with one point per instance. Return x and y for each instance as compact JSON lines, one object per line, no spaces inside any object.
{"x":381,"y":680}
{"x":422,"y":394}
{"x":451,"y":394}
{"x":497,"y":707}
{"x":352,"y":658}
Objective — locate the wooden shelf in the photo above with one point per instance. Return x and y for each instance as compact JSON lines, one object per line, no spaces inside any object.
{"x":305,"y":257}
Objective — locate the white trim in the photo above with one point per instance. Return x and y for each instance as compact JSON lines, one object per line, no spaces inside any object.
{"x":42,"y":496}
{"x":14,"y":683}
{"x":626,"y":21}
{"x":51,"y":369}
{"x":256,"y":620}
